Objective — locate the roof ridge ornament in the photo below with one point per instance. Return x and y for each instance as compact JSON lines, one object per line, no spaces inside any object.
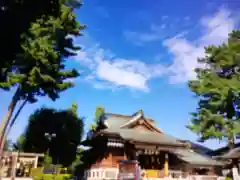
{"x":140,"y":111}
{"x":135,"y":117}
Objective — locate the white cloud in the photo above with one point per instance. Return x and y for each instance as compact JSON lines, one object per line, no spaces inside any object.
{"x":215,"y":31}
{"x":105,"y":70}
{"x":117,"y":72}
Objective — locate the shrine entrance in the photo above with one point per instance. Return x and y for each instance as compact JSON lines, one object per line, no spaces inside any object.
{"x":151,"y":161}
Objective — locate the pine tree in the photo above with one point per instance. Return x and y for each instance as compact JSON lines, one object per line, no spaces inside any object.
{"x":40,"y":69}
{"x":16,"y":18}
{"x":98,"y":113}
{"x":74,"y":108}
{"x":217,"y":88}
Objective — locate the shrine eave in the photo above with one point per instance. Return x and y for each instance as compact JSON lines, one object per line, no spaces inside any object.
{"x":146,"y":137}
{"x":193,"y":158}
{"x":232,"y":154}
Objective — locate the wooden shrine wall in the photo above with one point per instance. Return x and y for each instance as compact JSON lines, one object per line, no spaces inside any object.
{"x":112,"y":158}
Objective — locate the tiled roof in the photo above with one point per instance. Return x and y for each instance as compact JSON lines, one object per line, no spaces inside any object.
{"x":222,"y":150}
{"x":232,"y":154}
{"x":115,"y":123}
{"x":145,"y":136}
{"x":194,"y":158}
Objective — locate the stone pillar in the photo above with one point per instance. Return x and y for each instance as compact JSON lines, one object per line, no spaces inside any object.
{"x":35,"y":162}
{"x":14,"y":165}
{"x":166,"y":165}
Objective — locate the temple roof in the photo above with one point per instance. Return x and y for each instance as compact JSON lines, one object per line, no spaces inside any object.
{"x":231,"y":154}
{"x":120,"y":124}
{"x":222,"y":150}
{"x":194,"y":158}
{"x":116,"y":121}
{"x":145,"y":136}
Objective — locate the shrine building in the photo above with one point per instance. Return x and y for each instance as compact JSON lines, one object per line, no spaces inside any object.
{"x":136,"y":137}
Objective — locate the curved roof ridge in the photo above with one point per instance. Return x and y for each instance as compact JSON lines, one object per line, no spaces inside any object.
{"x":136,"y":117}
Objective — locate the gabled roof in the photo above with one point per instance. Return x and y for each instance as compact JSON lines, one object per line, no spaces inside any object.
{"x":118,"y":120}
{"x":140,"y":116}
{"x":121,"y":125}
{"x":145,"y":136}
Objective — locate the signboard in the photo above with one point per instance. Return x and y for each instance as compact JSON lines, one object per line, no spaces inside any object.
{"x":128,"y":170}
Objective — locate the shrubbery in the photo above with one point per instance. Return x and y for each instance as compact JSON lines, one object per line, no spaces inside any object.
{"x":37,"y":174}
{"x":52,"y":176}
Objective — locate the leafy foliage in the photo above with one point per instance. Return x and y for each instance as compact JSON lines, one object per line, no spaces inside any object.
{"x":217,"y":87}
{"x":77,"y":161}
{"x":18,"y":146}
{"x":16,"y":18}
{"x":36,"y":67}
{"x":98,"y":113}
{"x":47,"y":162}
{"x":53,"y":176}
{"x":40,"y":70}
{"x":7,"y":145}
{"x":67,"y":127}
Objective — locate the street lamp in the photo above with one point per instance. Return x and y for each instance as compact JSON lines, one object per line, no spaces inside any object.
{"x":49,"y":136}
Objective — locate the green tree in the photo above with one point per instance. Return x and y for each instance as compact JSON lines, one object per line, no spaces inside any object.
{"x":16,"y":18}
{"x":217,"y":88}
{"x":40,"y":69}
{"x":7,"y":145}
{"x":67,"y":127}
{"x":18,"y":145}
{"x":47,"y":161}
{"x":77,"y":160}
{"x":74,"y":108}
{"x":98,"y":113}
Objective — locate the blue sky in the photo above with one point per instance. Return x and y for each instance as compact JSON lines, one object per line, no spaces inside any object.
{"x":140,"y":55}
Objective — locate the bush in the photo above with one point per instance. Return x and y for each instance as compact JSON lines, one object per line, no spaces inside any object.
{"x":51,"y":177}
{"x":36,"y":172}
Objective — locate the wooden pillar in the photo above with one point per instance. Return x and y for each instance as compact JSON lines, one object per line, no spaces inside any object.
{"x":166,"y":165}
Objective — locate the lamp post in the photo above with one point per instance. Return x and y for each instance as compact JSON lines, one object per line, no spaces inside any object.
{"x":49,"y":136}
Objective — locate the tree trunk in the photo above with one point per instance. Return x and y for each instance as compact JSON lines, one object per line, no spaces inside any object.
{"x":6,"y":120}
{"x":231,"y":143}
{"x":15,"y":116}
